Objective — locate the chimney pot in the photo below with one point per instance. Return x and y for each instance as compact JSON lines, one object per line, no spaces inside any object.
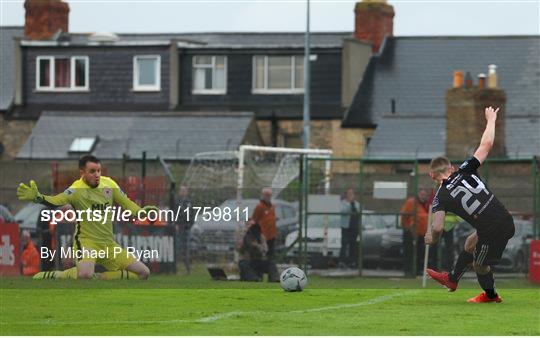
{"x":458,"y":79}
{"x":468,"y":80}
{"x":492,"y":76}
{"x":481,"y":80}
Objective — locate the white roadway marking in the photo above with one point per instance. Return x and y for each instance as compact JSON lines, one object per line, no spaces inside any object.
{"x":223,"y":315}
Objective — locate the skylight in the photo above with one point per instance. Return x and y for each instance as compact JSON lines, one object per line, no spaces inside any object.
{"x":82,"y":144}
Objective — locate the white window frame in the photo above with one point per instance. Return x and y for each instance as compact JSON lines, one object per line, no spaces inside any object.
{"x":213,"y":67}
{"x":147,"y":88}
{"x":72,"y":87}
{"x":269,"y":91}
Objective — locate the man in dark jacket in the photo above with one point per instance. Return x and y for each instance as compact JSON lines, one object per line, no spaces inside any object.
{"x":254,"y":261}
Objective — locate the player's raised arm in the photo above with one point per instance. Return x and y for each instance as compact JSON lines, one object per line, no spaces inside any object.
{"x":31,"y":193}
{"x":488,"y":137}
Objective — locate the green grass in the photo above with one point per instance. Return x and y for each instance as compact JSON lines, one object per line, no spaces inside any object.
{"x":193,"y":305}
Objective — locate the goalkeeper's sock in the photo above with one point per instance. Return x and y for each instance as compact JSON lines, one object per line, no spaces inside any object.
{"x":462,"y":265}
{"x":487,"y":282}
{"x":46,"y":275}
{"x":118,"y":274}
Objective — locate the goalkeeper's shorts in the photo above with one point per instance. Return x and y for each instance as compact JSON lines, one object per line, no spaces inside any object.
{"x":108,"y":254}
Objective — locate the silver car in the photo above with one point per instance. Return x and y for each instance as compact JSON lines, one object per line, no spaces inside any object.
{"x":219,"y":237}
{"x":515,"y":256}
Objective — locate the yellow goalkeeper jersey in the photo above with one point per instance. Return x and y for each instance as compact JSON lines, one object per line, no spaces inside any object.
{"x":97,"y":200}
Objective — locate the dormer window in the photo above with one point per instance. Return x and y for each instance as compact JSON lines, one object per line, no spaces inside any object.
{"x":278,"y":74}
{"x":209,"y":74}
{"x":62,"y":73}
{"x":147,"y":73}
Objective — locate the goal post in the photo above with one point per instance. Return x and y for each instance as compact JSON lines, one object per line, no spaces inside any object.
{"x":314,"y":153}
{"x":284,"y":176}
{"x":235,"y":179}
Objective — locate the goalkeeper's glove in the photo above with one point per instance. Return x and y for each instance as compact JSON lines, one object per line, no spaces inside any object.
{"x":29,"y":193}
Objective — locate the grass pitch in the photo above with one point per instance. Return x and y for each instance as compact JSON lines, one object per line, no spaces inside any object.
{"x":194,"y":305}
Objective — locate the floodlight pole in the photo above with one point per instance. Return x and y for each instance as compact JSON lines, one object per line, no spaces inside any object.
{"x":306,"y":82}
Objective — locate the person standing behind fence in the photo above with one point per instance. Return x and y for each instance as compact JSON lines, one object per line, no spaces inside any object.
{"x":414,"y":220}
{"x":350,"y":220}
{"x":183,"y":225}
{"x":30,"y":256}
{"x":265,"y":215}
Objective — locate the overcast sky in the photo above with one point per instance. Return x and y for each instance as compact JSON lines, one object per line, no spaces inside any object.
{"x":450,"y":17}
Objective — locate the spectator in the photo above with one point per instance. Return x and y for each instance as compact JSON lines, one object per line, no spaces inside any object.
{"x":414,"y":221}
{"x":5,"y":215}
{"x":30,"y":257}
{"x":183,"y":225}
{"x":350,"y":217}
{"x":265,"y":215}
{"x":254,"y":261}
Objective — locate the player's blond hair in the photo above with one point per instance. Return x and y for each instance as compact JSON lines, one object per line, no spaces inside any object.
{"x":439,"y":165}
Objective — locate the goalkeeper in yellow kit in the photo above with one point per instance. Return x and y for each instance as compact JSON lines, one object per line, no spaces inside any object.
{"x":92,"y":192}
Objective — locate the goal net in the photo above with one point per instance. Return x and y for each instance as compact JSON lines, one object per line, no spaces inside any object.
{"x":235,"y":179}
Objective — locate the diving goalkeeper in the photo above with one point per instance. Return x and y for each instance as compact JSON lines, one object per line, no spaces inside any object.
{"x":92,"y":192}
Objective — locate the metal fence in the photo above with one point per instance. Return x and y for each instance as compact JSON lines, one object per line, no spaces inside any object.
{"x":311,"y":209}
{"x":382,"y":188}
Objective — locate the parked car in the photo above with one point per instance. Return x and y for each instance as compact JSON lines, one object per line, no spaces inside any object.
{"x":382,"y":242}
{"x":515,"y":256}
{"x":219,"y":237}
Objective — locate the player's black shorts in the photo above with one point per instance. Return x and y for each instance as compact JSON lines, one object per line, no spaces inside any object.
{"x":490,"y":251}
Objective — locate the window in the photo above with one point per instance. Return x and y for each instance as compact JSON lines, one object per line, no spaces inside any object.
{"x":146,"y":73}
{"x":62,"y":73}
{"x":82,"y":144}
{"x":209,"y":74}
{"x":278,"y":74}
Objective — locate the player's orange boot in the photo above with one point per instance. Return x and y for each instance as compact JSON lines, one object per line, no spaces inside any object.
{"x":443,"y":279}
{"x":483,"y":298}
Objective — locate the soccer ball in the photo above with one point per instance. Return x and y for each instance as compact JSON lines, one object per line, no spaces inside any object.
{"x":293,"y":279}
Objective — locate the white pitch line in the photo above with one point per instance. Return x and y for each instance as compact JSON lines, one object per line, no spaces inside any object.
{"x":372,"y":301}
{"x":224,"y":315}
{"x":219,"y":316}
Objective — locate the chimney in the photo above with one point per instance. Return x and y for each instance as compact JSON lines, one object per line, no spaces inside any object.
{"x":374,"y":20}
{"x":44,"y":18}
{"x":465,"y":119}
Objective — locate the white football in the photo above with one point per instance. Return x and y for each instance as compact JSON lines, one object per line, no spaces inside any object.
{"x":293,"y":279}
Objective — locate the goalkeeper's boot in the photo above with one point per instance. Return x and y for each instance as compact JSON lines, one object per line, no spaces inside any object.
{"x":483,"y":298}
{"x":442,"y":278}
{"x":45,"y":275}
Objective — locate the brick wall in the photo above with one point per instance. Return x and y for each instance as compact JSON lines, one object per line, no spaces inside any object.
{"x":325,"y":134}
{"x":13,"y":135}
{"x":374,"y":20}
{"x":465,"y":120}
